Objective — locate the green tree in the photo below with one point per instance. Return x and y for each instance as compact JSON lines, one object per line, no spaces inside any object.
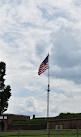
{"x":5,"y":91}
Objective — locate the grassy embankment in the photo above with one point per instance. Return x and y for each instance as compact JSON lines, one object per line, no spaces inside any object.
{"x":45,"y":120}
{"x":62,"y":133}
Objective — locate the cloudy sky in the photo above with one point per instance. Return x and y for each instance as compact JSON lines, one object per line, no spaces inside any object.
{"x":29,"y":29}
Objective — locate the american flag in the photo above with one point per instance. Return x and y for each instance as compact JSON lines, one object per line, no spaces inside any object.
{"x":44,"y":65}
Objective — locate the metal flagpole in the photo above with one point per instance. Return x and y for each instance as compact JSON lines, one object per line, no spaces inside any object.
{"x":48,"y":90}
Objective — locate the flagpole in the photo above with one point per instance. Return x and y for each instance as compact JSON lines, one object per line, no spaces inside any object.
{"x":48,"y":90}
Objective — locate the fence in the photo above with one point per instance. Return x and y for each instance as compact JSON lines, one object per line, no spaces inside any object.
{"x":42,"y":133}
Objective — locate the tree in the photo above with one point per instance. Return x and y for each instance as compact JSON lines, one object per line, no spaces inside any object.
{"x":5,"y":91}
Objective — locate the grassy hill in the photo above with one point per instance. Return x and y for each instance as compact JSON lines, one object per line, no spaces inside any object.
{"x":44,"y":121}
{"x":31,"y":121}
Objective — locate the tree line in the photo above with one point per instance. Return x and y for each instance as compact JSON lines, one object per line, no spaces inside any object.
{"x":5,"y":91}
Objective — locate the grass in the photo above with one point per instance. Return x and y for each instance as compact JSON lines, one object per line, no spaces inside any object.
{"x":42,"y":133}
{"x":31,"y":121}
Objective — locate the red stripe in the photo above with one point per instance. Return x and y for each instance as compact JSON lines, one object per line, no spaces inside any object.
{"x":42,"y":68}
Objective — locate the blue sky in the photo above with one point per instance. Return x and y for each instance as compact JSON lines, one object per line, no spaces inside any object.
{"x":29,"y":29}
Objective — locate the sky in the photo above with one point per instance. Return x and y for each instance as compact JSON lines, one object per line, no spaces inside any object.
{"x":29,"y":29}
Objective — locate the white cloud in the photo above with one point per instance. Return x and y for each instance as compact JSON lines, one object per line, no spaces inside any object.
{"x":28,"y":31}
{"x":28,"y":105}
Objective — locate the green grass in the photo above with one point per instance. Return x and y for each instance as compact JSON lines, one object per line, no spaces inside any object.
{"x":31,"y":121}
{"x":42,"y":133}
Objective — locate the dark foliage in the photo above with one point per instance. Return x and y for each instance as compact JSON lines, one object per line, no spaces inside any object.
{"x":4,"y":90}
{"x":69,"y":115}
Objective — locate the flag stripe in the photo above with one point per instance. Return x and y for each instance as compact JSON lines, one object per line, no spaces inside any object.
{"x":43,"y":66}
